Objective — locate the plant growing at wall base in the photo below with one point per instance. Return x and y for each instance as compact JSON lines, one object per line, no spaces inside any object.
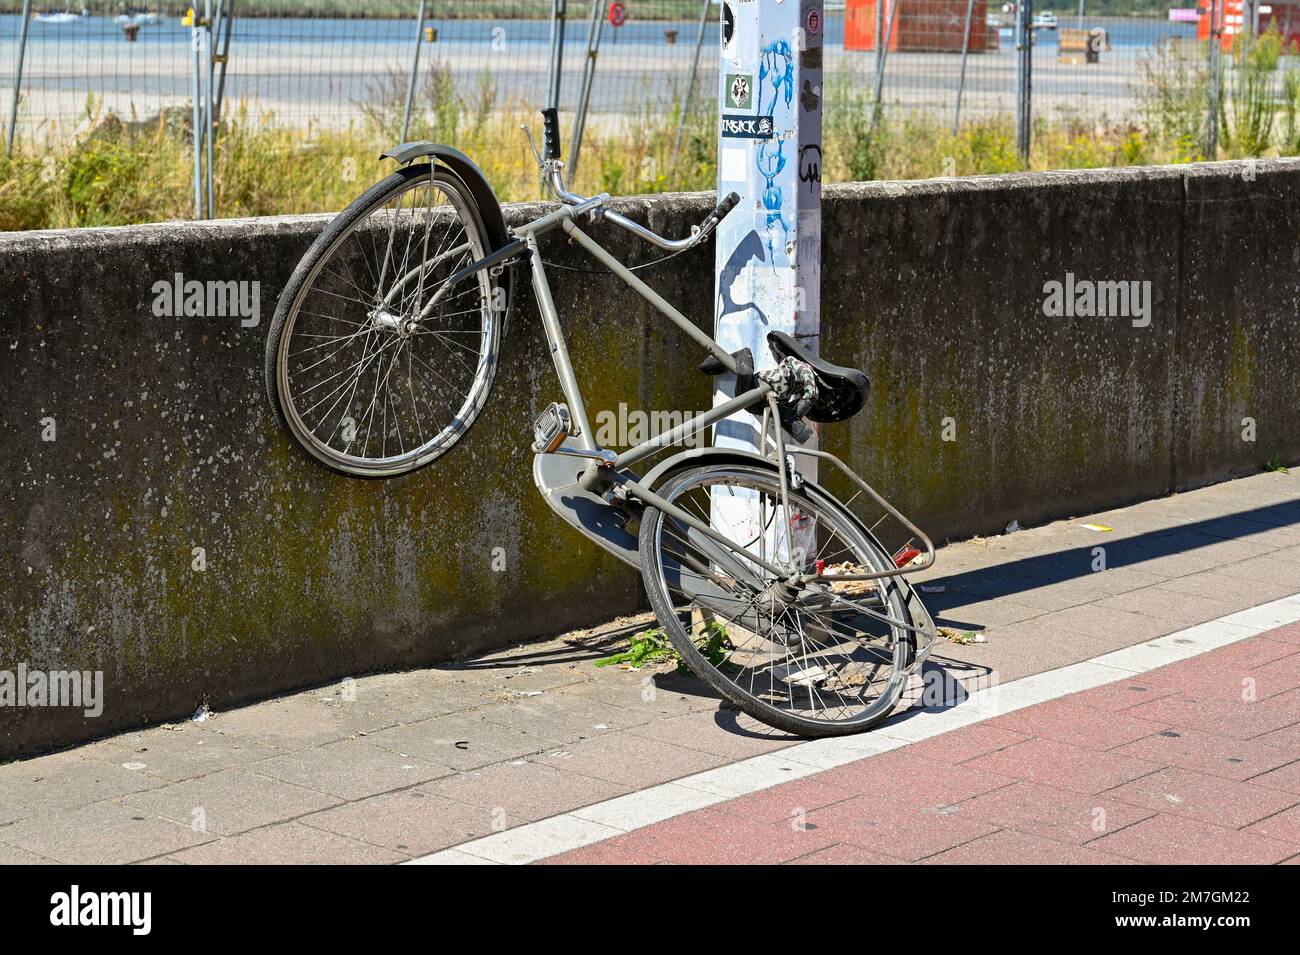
{"x":648,"y":646}
{"x":652,"y":646}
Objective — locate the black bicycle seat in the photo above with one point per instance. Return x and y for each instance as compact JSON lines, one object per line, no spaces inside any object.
{"x":841,"y":392}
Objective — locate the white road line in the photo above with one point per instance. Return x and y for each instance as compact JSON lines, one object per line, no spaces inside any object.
{"x":613,"y":817}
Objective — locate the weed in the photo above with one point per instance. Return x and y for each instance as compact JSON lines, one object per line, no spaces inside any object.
{"x":652,"y":646}
{"x":648,"y":646}
{"x":715,"y":646}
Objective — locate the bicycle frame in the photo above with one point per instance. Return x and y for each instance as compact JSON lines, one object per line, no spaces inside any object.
{"x":741,"y":544}
{"x":526,"y":244}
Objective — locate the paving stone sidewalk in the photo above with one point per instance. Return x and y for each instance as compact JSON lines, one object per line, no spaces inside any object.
{"x":391,"y":767}
{"x":1171,"y":767}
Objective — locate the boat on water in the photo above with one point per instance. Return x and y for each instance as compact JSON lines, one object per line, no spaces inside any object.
{"x":142,"y":18}
{"x":61,"y":16}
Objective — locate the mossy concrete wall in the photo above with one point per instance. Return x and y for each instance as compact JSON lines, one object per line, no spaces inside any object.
{"x":128,"y":440}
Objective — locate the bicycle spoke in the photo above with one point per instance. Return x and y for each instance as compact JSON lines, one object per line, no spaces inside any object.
{"x":805,"y":650}
{"x":376,"y":341}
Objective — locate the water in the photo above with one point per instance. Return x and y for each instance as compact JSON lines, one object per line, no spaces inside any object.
{"x":326,"y":71}
{"x":1124,"y":32}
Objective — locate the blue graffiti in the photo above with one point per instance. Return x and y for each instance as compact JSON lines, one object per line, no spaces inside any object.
{"x":776,"y":67}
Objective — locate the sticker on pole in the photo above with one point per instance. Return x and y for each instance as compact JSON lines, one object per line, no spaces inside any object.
{"x":617,"y":14}
{"x":746,"y":127}
{"x":740,"y":90}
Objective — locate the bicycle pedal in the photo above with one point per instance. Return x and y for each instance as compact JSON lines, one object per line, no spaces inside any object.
{"x":551,"y":428}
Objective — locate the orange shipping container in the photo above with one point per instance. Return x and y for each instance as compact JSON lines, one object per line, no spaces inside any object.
{"x":1285,"y":16}
{"x":918,"y":25}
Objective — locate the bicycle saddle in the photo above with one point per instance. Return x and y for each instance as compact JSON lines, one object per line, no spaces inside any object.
{"x":841,"y":392}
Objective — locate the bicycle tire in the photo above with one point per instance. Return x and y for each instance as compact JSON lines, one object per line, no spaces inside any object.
{"x":300,"y":285}
{"x":870,"y":551}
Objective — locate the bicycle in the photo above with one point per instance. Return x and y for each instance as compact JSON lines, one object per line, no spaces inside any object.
{"x":769,"y":587}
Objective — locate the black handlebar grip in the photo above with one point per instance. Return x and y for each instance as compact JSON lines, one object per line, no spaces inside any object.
{"x":726,"y":205}
{"x":550,"y":133}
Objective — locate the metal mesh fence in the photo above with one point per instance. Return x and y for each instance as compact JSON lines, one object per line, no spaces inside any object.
{"x":329,"y":70}
{"x":336,"y":65}
{"x":333,"y":71}
{"x":924,"y":61}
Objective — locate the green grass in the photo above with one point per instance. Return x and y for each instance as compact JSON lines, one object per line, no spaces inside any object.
{"x":130,"y":170}
{"x":128,"y":173}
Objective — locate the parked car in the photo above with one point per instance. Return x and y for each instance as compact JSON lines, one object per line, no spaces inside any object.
{"x":1045,"y":20}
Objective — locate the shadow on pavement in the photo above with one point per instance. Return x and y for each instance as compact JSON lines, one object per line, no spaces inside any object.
{"x":1030,"y":573}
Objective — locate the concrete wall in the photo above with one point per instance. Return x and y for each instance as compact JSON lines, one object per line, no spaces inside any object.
{"x":163,"y":441}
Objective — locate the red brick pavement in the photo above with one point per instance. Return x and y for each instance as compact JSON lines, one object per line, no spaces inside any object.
{"x":1197,"y":762}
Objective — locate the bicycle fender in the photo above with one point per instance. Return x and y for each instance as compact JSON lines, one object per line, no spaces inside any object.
{"x":696,"y":457}
{"x":469,"y":173}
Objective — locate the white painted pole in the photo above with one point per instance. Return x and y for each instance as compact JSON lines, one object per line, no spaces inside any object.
{"x":1024,"y":76}
{"x":18,"y":76}
{"x":208,"y":132}
{"x":882,"y":52}
{"x":690,"y":84}
{"x":415,"y":72}
{"x":965,"y":52}
{"x":196,"y":112}
{"x":768,"y":250}
{"x":226,"y":25}
{"x":597,"y":28}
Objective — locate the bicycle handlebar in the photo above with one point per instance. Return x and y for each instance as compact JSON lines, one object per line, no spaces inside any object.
{"x":550,"y":133}
{"x":553,"y":175}
{"x":726,"y":205}
{"x":698,"y":233}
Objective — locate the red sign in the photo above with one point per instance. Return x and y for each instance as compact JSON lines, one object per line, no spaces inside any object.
{"x":617,"y":14}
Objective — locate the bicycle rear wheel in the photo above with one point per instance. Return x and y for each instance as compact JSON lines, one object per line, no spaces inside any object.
{"x":374,"y":365}
{"x":825,"y":659}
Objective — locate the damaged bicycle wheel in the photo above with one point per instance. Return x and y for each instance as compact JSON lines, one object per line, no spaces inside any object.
{"x":817,"y":659}
{"x":375,"y":363}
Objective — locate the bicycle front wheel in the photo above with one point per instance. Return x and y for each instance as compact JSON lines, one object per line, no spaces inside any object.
{"x":374,"y":365}
{"x":818,"y":659}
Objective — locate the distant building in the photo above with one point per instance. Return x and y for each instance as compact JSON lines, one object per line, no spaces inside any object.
{"x":1285,"y":14}
{"x":918,"y":25}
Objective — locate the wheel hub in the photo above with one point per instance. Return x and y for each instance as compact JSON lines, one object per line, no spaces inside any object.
{"x":392,"y":323}
{"x":786,"y":602}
